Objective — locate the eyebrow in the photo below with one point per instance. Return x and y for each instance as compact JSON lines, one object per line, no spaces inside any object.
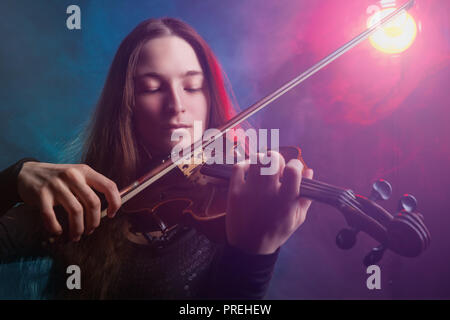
{"x":189,"y":73}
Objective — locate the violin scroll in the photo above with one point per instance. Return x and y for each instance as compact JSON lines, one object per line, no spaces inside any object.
{"x":407,"y":234}
{"x":404,"y":233}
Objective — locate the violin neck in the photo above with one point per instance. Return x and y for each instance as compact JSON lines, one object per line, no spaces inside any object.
{"x":309,"y":188}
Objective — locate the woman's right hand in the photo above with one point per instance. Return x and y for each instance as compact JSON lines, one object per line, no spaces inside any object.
{"x":46,"y":185}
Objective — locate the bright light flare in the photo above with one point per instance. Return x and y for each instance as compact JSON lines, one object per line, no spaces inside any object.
{"x":397,"y":35}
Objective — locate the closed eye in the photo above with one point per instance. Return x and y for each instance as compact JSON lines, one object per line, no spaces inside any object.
{"x":151,"y":90}
{"x":192,"y":89}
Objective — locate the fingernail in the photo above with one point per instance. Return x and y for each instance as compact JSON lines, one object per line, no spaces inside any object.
{"x":298,"y":163}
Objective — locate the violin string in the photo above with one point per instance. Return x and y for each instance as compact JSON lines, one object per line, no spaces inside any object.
{"x":324,"y":190}
{"x":324,"y":195}
{"x":334,"y":192}
{"x":351,"y":201}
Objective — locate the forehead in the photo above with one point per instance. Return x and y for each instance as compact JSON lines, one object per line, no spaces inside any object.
{"x":168,"y":55}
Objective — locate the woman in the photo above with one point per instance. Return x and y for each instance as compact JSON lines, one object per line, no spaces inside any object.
{"x":162,"y":79}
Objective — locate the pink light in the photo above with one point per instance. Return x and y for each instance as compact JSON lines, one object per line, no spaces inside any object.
{"x":396,"y":36}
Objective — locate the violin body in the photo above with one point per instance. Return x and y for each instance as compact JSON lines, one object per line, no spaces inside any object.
{"x":198,"y":201}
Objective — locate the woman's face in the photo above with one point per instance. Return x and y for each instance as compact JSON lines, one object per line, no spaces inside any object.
{"x":170,"y":93}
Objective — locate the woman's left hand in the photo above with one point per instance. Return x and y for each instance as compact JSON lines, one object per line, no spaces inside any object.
{"x":264,"y":210}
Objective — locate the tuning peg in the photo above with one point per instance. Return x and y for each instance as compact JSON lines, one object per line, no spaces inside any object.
{"x":381,"y":190}
{"x":374,"y":256}
{"x":408,"y":203}
{"x":346,"y":238}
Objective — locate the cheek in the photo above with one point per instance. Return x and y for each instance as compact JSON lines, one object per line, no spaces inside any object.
{"x":199,"y":108}
{"x":148,"y":108}
{"x":146,"y":116}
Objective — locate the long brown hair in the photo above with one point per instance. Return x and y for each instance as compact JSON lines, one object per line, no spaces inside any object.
{"x":112,"y":146}
{"x":112,"y":141}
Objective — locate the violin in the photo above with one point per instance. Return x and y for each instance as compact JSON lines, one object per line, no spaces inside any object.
{"x":196,"y":196}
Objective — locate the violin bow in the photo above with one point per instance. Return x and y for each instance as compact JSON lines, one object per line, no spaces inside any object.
{"x":155,"y":174}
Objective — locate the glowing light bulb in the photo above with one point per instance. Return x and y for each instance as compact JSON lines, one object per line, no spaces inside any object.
{"x":397,"y":35}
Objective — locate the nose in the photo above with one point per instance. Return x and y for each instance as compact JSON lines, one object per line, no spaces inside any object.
{"x":174,"y":101}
